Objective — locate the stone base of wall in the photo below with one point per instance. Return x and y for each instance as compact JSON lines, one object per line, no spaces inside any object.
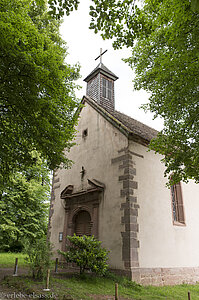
{"x":150,"y":276}
{"x":165,"y":276}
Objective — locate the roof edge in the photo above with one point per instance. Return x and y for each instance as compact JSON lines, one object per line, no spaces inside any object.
{"x":106,"y":115}
{"x":103,"y":70}
{"x":116,"y":123}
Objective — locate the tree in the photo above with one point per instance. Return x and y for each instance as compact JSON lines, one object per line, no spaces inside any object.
{"x":87,"y":253}
{"x":61,"y":7}
{"x":58,"y":8}
{"x":163,"y":36}
{"x":24,"y":206}
{"x":37,"y":99}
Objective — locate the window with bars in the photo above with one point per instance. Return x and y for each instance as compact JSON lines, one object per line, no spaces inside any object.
{"x":177,"y":203}
{"x":107,"y":88}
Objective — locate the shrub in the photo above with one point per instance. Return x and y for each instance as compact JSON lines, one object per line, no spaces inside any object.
{"x":39,"y":257}
{"x":87,"y":253}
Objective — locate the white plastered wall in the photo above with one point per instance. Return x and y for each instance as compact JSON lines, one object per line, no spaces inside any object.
{"x":95,"y":153}
{"x":163,"y":244}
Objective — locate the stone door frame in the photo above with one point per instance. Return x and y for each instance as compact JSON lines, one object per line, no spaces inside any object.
{"x":82,"y":201}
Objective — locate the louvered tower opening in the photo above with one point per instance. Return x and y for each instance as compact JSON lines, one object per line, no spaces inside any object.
{"x":100,"y":86}
{"x":83,"y":223}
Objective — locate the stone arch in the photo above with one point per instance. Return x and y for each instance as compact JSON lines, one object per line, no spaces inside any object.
{"x":75,"y":203}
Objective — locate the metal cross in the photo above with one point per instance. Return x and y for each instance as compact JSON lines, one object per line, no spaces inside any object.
{"x":101,"y":53}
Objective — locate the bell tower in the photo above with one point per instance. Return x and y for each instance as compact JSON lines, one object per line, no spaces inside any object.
{"x":100,"y":85}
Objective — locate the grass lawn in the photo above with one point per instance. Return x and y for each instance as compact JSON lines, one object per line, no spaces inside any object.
{"x":7,"y":260}
{"x":73,"y":286}
{"x":67,"y":286}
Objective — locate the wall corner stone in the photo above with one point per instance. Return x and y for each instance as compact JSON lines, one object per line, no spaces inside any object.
{"x":129,"y":208}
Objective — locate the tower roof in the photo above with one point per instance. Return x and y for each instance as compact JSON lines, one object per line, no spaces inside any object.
{"x":101,"y":68}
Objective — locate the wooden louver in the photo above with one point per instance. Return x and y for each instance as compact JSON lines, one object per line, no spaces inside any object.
{"x":83,"y":223}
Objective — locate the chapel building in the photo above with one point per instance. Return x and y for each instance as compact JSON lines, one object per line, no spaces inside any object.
{"x":116,"y":191}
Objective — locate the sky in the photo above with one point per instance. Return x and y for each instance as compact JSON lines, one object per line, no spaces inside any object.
{"x":84,"y":46}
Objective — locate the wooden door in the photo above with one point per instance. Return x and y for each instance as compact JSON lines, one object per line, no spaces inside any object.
{"x":83,"y":223}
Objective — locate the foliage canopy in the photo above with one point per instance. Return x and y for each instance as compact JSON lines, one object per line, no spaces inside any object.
{"x":37,"y":99}
{"x":164,"y":39}
{"x":24,"y":207}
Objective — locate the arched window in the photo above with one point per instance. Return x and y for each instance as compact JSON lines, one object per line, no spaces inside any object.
{"x":82,"y":223}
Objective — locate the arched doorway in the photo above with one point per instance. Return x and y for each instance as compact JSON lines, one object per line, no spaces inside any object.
{"x":81,"y":211}
{"x":82,"y":223}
